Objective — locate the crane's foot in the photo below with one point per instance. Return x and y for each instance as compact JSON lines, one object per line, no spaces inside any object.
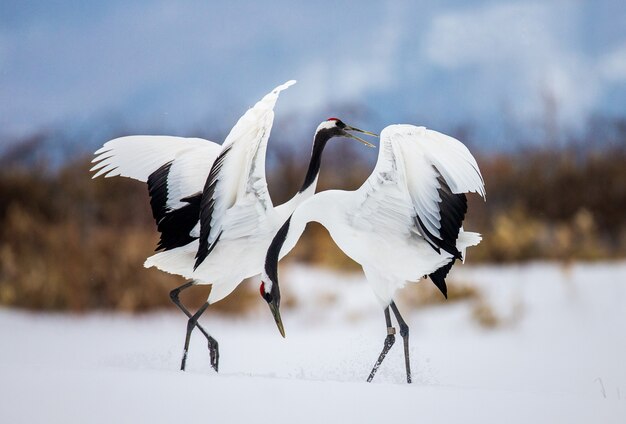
{"x":389,"y":341}
{"x":404,"y":332}
{"x":191,"y":324}
{"x":214,"y":351}
{"x":183,"y":362}
{"x":213,"y":347}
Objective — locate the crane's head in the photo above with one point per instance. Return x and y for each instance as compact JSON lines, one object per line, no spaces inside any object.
{"x":269,"y":279}
{"x":334,"y":127}
{"x":271,"y":293}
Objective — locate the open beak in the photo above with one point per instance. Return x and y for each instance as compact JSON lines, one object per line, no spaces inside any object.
{"x":276,"y":313}
{"x":367,"y":143}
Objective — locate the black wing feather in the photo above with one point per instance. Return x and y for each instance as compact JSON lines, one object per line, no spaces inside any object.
{"x":175,"y":225}
{"x":157,"y":188}
{"x":439,"y":277}
{"x":207,"y":206}
{"x":452,"y":210}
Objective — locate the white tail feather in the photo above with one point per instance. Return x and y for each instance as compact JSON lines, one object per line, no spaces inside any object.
{"x":467,"y":239}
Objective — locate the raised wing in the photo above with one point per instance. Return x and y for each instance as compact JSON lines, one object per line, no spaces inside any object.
{"x":175,"y":169}
{"x":235,"y":196}
{"x":418,"y":186}
{"x":138,"y":156}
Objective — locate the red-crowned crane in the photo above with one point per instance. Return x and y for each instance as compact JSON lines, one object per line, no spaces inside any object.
{"x":403,"y":223}
{"x":211,"y":202}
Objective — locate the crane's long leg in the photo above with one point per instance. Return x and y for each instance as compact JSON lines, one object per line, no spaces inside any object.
{"x":190,"y":326}
{"x":404,"y":332}
{"x":389,"y":341}
{"x":174,"y":296}
{"x":213,"y":345}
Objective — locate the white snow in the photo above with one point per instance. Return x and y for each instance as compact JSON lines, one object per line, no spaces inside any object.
{"x":559,"y":356}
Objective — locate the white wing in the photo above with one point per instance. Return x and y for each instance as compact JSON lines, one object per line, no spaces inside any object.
{"x":175,"y":169}
{"x":138,"y":156}
{"x":417,"y":186}
{"x":235,"y":197}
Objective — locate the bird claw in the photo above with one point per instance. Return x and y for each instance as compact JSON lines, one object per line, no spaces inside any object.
{"x":215,"y":354}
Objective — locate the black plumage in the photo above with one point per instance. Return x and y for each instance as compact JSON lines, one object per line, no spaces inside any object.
{"x":157,"y":188}
{"x":175,"y":225}
{"x":273,"y":253}
{"x":439,"y":277}
{"x":452,"y":209}
{"x":207,"y":206}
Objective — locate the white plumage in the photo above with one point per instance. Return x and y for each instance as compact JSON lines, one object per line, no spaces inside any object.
{"x":211,"y":202}
{"x":187,"y":177}
{"x":138,"y":156}
{"x":240,"y":196}
{"x":243,"y":209}
{"x":405,"y":221}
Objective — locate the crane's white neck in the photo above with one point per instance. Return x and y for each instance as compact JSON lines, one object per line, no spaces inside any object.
{"x":285,"y":210}
{"x":322,"y":208}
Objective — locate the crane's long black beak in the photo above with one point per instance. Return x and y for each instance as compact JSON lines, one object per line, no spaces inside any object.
{"x":276,"y":313}
{"x":367,"y":143}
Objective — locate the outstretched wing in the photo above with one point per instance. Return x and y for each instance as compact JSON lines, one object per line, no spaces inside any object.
{"x":235,"y":196}
{"x":138,"y":156}
{"x":418,"y":186}
{"x":175,"y":169}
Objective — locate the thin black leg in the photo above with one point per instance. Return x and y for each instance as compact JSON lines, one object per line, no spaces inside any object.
{"x":213,"y":345}
{"x":174,"y":296}
{"x":404,"y":332}
{"x":389,"y":341}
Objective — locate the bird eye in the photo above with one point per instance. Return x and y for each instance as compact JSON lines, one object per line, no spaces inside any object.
{"x":338,"y":123}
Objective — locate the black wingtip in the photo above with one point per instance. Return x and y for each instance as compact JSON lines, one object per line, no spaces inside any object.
{"x":176,"y":225}
{"x":207,"y":205}
{"x":439,"y":277}
{"x":452,"y":210}
{"x":440,"y":282}
{"x":157,"y":189}
{"x":441,"y":285}
{"x":200,"y":255}
{"x":204,"y":251}
{"x":458,"y":255}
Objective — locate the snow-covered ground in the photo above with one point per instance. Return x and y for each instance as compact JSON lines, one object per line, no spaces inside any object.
{"x":558,"y":356}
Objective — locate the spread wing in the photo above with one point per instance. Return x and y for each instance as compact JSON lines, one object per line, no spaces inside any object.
{"x":418,"y":187}
{"x":175,"y":169}
{"x":235,"y":197}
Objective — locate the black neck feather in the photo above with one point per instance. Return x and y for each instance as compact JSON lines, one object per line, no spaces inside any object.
{"x":273,"y":253}
{"x":321,"y":138}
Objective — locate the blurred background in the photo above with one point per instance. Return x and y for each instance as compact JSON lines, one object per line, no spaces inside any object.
{"x":537,"y":91}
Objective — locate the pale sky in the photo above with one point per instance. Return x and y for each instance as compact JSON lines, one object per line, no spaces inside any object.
{"x":177,"y":67}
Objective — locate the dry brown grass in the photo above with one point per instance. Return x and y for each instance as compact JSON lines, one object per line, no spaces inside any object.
{"x":71,"y":243}
{"x":427,"y":294}
{"x":484,"y":315}
{"x":482,"y":311}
